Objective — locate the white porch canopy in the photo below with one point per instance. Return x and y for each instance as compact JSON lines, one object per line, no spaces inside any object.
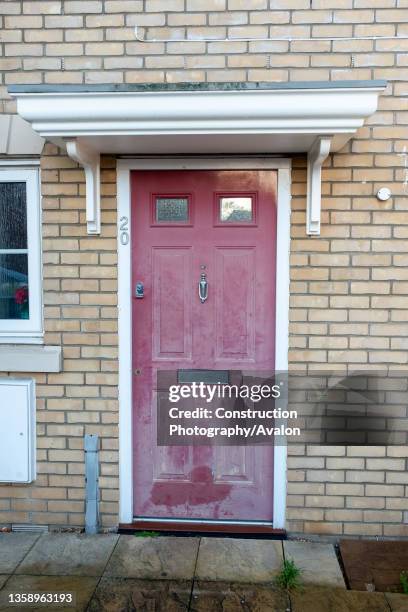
{"x":196,"y":119}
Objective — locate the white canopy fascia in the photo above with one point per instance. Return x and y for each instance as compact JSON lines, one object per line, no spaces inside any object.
{"x":205,"y":118}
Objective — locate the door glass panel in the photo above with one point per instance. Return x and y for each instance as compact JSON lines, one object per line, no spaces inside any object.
{"x":14,"y":303}
{"x":172,"y":210}
{"x":13,"y":216}
{"x":236,"y":209}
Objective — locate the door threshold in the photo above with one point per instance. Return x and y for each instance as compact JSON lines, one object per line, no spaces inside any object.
{"x":204,"y":528}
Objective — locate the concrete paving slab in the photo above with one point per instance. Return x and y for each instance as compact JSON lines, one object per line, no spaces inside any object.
{"x":13,"y":548}
{"x":82,"y":587}
{"x":322,"y":599}
{"x":317,"y":561}
{"x":119,"y":594}
{"x":69,"y":554}
{"x":3,"y":579}
{"x":236,"y":560}
{"x":398,"y":602}
{"x":161,"y":558}
{"x":223,"y":597}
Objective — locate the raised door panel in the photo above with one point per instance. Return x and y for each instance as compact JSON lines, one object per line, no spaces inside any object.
{"x":235,"y":303}
{"x":172,"y":318}
{"x":172,"y":463}
{"x":234,"y":464}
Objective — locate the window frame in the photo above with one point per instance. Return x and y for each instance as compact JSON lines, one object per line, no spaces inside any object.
{"x":28,"y":331}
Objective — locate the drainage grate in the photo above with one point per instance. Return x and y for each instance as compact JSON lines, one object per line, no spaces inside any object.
{"x":23,"y":527}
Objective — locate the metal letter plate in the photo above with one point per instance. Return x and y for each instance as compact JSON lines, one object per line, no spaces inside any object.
{"x":206,"y":376}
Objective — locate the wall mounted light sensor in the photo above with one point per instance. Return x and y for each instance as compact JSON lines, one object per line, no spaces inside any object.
{"x":383,"y":194}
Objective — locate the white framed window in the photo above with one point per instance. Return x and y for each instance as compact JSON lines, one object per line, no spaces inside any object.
{"x":21,"y":318}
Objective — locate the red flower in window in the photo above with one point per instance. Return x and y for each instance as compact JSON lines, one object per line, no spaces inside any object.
{"x":21,"y":295}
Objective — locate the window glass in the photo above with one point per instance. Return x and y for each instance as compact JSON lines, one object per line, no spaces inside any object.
{"x":14,"y":298}
{"x":13,"y":216}
{"x":171,"y":210}
{"x":14,"y":302}
{"x":236,"y":209}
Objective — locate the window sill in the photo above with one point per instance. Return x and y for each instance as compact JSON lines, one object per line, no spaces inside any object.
{"x":21,"y":339}
{"x":30,"y":358}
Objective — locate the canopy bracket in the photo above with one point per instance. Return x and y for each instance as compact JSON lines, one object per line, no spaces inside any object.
{"x":90,"y":161}
{"x":315,"y":158}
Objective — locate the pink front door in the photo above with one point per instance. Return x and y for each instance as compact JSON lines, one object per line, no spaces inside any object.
{"x":182,"y":221}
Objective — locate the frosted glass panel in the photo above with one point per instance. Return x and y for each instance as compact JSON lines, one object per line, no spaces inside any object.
{"x":235,"y":209}
{"x":171,"y":210}
{"x":14,"y":303}
{"x":13,"y":216}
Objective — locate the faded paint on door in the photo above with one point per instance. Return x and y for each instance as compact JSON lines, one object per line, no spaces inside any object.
{"x":183,"y":220}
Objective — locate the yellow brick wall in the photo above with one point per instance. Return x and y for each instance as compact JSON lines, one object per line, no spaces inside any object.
{"x":349,"y":311}
{"x":349,"y":287}
{"x":80,"y":311}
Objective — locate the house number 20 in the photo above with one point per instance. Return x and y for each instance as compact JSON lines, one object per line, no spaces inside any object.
{"x":124,"y":231}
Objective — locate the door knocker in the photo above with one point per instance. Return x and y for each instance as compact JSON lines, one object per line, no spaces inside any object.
{"x":203,"y":286}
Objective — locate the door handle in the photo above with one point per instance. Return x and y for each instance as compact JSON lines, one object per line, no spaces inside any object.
{"x":203,"y":288}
